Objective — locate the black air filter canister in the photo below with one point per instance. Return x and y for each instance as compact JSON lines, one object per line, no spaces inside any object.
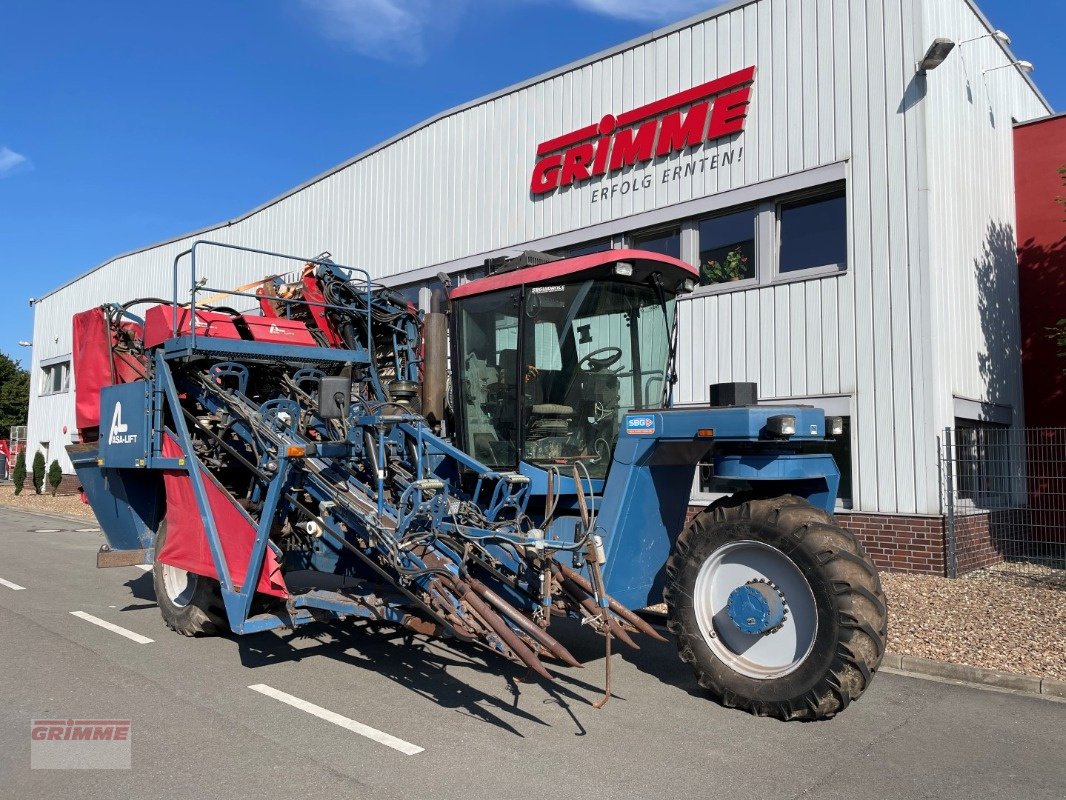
{"x":734,"y":394}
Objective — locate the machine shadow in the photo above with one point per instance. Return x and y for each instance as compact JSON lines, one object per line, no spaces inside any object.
{"x":141,"y":588}
{"x":421,"y":664}
{"x":656,"y":659}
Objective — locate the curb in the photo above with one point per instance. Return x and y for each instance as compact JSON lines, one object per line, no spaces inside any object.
{"x":979,"y":675}
{"x":51,"y":515}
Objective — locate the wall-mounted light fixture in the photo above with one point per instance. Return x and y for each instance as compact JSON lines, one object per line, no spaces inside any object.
{"x":935,"y":55}
{"x":997,"y":34}
{"x":1024,"y":66}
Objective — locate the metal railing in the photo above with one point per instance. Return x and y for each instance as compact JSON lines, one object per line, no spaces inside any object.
{"x":199,"y":286}
{"x":1004,"y":497}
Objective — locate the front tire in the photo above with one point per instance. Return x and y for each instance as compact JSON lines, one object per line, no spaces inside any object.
{"x":816,"y":633}
{"x":191,"y":604}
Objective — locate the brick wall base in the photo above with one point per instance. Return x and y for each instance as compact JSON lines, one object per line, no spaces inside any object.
{"x":903,"y":543}
{"x":918,"y":543}
{"x":69,"y":485}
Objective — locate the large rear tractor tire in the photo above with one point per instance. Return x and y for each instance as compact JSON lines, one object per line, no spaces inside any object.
{"x":777,"y":609}
{"x":191,"y":604}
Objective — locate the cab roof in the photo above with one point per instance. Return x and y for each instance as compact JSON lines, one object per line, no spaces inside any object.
{"x":644,"y":263}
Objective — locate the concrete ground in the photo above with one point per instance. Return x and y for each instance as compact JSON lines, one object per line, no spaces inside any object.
{"x":199,"y":731}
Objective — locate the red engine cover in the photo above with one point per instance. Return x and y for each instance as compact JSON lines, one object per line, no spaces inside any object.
{"x":158,"y":324}
{"x":277,"y":330}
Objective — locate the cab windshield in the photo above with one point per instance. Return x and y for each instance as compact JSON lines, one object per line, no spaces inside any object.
{"x":549,"y":372}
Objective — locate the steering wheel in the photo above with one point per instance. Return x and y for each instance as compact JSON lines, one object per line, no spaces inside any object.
{"x":600,"y":359}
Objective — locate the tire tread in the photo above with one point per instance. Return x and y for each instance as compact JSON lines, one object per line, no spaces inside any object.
{"x":862,"y":610}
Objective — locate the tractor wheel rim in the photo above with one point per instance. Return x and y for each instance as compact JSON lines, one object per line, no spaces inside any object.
{"x":179,"y":584}
{"x":766,"y":655}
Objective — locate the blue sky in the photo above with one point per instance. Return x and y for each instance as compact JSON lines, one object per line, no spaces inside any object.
{"x":123,"y":123}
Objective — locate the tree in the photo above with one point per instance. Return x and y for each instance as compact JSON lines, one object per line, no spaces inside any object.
{"x":55,"y":476}
{"x":19,"y":475}
{"x":14,"y":394}
{"x":38,"y":472}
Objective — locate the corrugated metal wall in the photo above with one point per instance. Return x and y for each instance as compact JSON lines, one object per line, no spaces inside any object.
{"x":973,"y":266}
{"x":834,"y":83}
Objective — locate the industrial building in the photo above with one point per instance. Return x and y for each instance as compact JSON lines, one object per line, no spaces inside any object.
{"x":842,"y":173}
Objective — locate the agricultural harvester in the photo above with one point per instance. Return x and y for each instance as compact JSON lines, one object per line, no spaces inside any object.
{"x":309,"y":459}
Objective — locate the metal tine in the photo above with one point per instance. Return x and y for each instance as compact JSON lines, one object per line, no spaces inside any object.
{"x":626,"y":614}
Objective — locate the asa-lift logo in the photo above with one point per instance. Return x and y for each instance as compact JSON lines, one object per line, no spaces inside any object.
{"x":716,"y":109}
{"x":118,"y":434}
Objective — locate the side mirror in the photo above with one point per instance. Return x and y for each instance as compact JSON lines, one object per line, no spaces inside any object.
{"x":334,"y":397}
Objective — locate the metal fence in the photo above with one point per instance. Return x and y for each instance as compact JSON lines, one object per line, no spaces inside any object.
{"x":1004,"y":495}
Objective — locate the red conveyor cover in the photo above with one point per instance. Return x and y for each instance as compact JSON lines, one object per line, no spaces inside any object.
{"x":186,"y":543}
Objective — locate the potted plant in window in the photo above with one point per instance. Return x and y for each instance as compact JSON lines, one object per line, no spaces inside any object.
{"x":733,"y":268}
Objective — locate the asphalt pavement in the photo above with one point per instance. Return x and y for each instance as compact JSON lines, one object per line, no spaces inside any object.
{"x":344,"y":711}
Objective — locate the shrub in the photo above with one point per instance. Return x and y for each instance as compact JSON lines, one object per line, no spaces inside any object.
{"x":38,"y":472}
{"x":55,"y":476}
{"x":19,"y":475}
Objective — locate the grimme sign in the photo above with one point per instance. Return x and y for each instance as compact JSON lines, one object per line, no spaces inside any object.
{"x":716,"y":109}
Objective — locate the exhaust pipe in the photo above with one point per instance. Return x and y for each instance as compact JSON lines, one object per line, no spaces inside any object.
{"x":434,"y":367}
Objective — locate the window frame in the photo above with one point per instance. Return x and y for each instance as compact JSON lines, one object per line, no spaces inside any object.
{"x":758,"y":235}
{"x":976,"y":479}
{"x":822,"y":270}
{"x":46,"y":381}
{"x":767,"y":242}
{"x":647,"y":233}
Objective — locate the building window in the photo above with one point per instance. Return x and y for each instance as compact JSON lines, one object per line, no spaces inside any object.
{"x":813,"y":233}
{"x":982,"y":461}
{"x":727,"y":247}
{"x":585,"y":249}
{"x":665,"y":241}
{"x":55,"y":378}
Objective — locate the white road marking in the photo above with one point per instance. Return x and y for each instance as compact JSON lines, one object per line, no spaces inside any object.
{"x":47,"y":530}
{"x":112,"y":627}
{"x":11,"y":585}
{"x":145,"y":567}
{"x":86,"y":530}
{"x":330,"y":716}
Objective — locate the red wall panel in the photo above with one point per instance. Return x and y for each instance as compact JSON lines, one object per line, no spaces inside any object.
{"x":1039,"y":153}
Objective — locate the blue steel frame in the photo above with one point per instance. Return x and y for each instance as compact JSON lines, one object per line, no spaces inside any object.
{"x":659,"y":462}
{"x":638,"y":514}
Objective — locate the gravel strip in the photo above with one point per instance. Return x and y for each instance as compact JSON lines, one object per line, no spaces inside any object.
{"x":990,"y":618}
{"x":70,"y":505}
